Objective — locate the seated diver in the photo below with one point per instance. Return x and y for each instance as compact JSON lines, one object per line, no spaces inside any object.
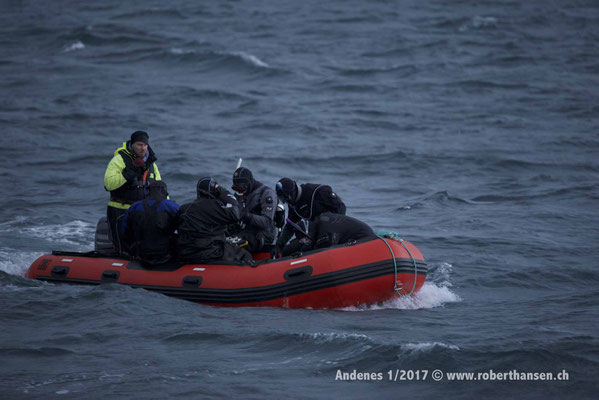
{"x":149,"y":224}
{"x":306,"y":202}
{"x":202,"y":224}
{"x":328,"y":229}
{"x":258,"y":205}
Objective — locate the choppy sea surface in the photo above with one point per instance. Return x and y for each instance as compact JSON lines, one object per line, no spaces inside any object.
{"x":470,"y":128}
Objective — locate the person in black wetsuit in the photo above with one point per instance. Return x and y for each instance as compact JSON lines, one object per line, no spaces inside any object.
{"x":149,"y":224}
{"x":329,"y":229}
{"x":202,"y":225}
{"x":257,"y":205}
{"x":306,"y":201}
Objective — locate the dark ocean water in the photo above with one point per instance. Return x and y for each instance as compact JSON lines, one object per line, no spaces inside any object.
{"x":471,"y":128}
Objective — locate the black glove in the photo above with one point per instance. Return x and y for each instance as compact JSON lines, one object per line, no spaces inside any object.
{"x":129,"y":174}
{"x":246,"y":216}
{"x":220,"y":191}
{"x":324,"y":241}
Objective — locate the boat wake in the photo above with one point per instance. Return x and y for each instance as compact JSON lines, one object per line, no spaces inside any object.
{"x":78,"y":235}
{"x":435,"y":292}
{"x":72,"y":233}
{"x":429,"y":296}
{"x":17,"y":263}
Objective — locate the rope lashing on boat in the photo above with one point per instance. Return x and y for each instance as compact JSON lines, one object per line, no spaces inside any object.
{"x":394,"y":236}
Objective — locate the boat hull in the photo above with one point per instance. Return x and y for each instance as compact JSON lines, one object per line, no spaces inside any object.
{"x":343,"y":276}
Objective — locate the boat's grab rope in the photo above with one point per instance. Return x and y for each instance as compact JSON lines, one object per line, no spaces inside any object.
{"x":383,"y":235}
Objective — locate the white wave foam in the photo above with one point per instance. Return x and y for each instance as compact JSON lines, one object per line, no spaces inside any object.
{"x":478,"y":22}
{"x":179,"y":52}
{"x":16,"y":263}
{"x":434,"y":293}
{"x":15,"y":222}
{"x":481,"y":22}
{"x":332,"y":336}
{"x":426,"y":346}
{"x":442,"y":274}
{"x":74,"y":232}
{"x":429,"y":296}
{"x":78,"y":45}
{"x":251,"y":59}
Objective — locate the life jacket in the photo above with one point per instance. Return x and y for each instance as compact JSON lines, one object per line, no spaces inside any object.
{"x":134,"y":191}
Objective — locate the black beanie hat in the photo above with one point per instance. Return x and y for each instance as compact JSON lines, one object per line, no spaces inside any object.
{"x":140,"y":136}
{"x":157,"y":190}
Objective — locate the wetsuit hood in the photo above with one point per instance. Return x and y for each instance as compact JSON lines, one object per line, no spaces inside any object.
{"x":243,"y":181}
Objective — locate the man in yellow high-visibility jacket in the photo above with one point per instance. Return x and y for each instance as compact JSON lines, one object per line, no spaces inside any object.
{"x":127,"y":177}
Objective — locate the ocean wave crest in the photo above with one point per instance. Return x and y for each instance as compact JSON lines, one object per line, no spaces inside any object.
{"x":72,"y":233}
{"x":250,"y":58}
{"x":479,"y":22}
{"x":78,"y":45}
{"x":402,"y":70}
{"x":581,"y":190}
{"x":203,"y":56}
{"x":320,"y":337}
{"x":438,"y":198}
{"x":16,"y":262}
{"x":36,"y":352}
{"x":428,"y":346}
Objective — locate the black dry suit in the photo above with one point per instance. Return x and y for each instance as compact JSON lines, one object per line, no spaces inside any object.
{"x":257,"y":212}
{"x":313,"y":201}
{"x":201,"y":229}
{"x":329,"y":229}
{"x":148,"y":227}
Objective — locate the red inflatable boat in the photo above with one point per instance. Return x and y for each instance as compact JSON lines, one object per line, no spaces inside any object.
{"x":357,"y":274}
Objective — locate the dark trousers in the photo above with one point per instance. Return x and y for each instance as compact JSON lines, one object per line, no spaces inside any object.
{"x":234,"y":253}
{"x":115,"y":216}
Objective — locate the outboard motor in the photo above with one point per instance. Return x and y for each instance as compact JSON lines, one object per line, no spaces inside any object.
{"x":102,"y":242}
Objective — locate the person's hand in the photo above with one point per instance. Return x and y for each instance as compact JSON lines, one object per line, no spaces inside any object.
{"x":246,"y":216}
{"x":220,"y":191}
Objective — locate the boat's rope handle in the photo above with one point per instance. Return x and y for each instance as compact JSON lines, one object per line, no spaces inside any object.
{"x":394,"y":236}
